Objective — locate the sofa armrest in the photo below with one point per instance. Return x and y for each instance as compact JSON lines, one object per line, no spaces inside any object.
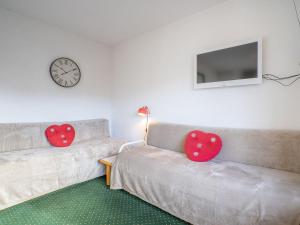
{"x":130,"y":143}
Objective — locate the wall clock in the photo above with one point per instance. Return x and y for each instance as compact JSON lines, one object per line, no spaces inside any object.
{"x":65,"y":72}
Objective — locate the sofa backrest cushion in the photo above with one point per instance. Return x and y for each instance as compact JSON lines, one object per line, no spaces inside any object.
{"x":277,"y":149}
{"x":19,"y":136}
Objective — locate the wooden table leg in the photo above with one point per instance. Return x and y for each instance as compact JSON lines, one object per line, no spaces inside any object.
{"x":107,"y":174}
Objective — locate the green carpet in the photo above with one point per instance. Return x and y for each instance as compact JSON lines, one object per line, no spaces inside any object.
{"x":90,"y":202}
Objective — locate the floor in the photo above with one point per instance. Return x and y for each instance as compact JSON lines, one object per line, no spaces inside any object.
{"x":90,"y":202}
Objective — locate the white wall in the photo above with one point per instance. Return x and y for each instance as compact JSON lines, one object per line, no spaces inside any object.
{"x":156,"y":69}
{"x":27,"y":92}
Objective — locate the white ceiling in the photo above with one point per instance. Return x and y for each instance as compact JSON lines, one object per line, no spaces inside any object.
{"x":108,"y":21}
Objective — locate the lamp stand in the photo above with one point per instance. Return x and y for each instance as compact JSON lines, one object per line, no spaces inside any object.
{"x":146,"y":130}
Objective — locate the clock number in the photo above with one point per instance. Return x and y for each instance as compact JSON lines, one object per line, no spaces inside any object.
{"x":60,"y":81}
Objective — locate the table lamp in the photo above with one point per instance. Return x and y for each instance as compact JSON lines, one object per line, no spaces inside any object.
{"x":144,"y":111}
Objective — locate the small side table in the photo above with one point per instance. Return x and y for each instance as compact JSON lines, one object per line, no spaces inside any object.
{"x":108,"y":164}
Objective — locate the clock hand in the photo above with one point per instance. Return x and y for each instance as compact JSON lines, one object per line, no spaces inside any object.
{"x":68,"y":71}
{"x":60,"y":68}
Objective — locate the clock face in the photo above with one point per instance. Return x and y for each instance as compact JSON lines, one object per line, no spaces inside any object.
{"x":65,"y":72}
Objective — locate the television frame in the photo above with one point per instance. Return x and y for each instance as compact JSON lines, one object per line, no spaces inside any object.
{"x":230,"y":83}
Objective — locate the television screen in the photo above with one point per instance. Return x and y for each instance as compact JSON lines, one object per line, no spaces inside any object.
{"x":229,"y":64}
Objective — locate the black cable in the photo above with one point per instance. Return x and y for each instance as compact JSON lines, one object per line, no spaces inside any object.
{"x":281,"y":78}
{"x":278,"y":79}
{"x":295,"y":6}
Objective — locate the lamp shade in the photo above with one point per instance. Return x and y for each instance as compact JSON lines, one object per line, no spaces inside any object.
{"x":143,"y":111}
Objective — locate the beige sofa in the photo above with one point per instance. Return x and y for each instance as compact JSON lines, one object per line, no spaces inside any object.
{"x":30,"y":167}
{"x":254,"y":180}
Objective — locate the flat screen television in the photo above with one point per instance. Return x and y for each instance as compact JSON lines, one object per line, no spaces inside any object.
{"x":231,"y":65}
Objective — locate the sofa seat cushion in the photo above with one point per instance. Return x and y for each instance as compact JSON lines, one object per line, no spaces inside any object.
{"x":34,"y":172}
{"x":209,"y":193}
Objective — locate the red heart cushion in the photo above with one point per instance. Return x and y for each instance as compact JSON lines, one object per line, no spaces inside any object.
{"x":202,"y":147}
{"x":60,"y":136}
